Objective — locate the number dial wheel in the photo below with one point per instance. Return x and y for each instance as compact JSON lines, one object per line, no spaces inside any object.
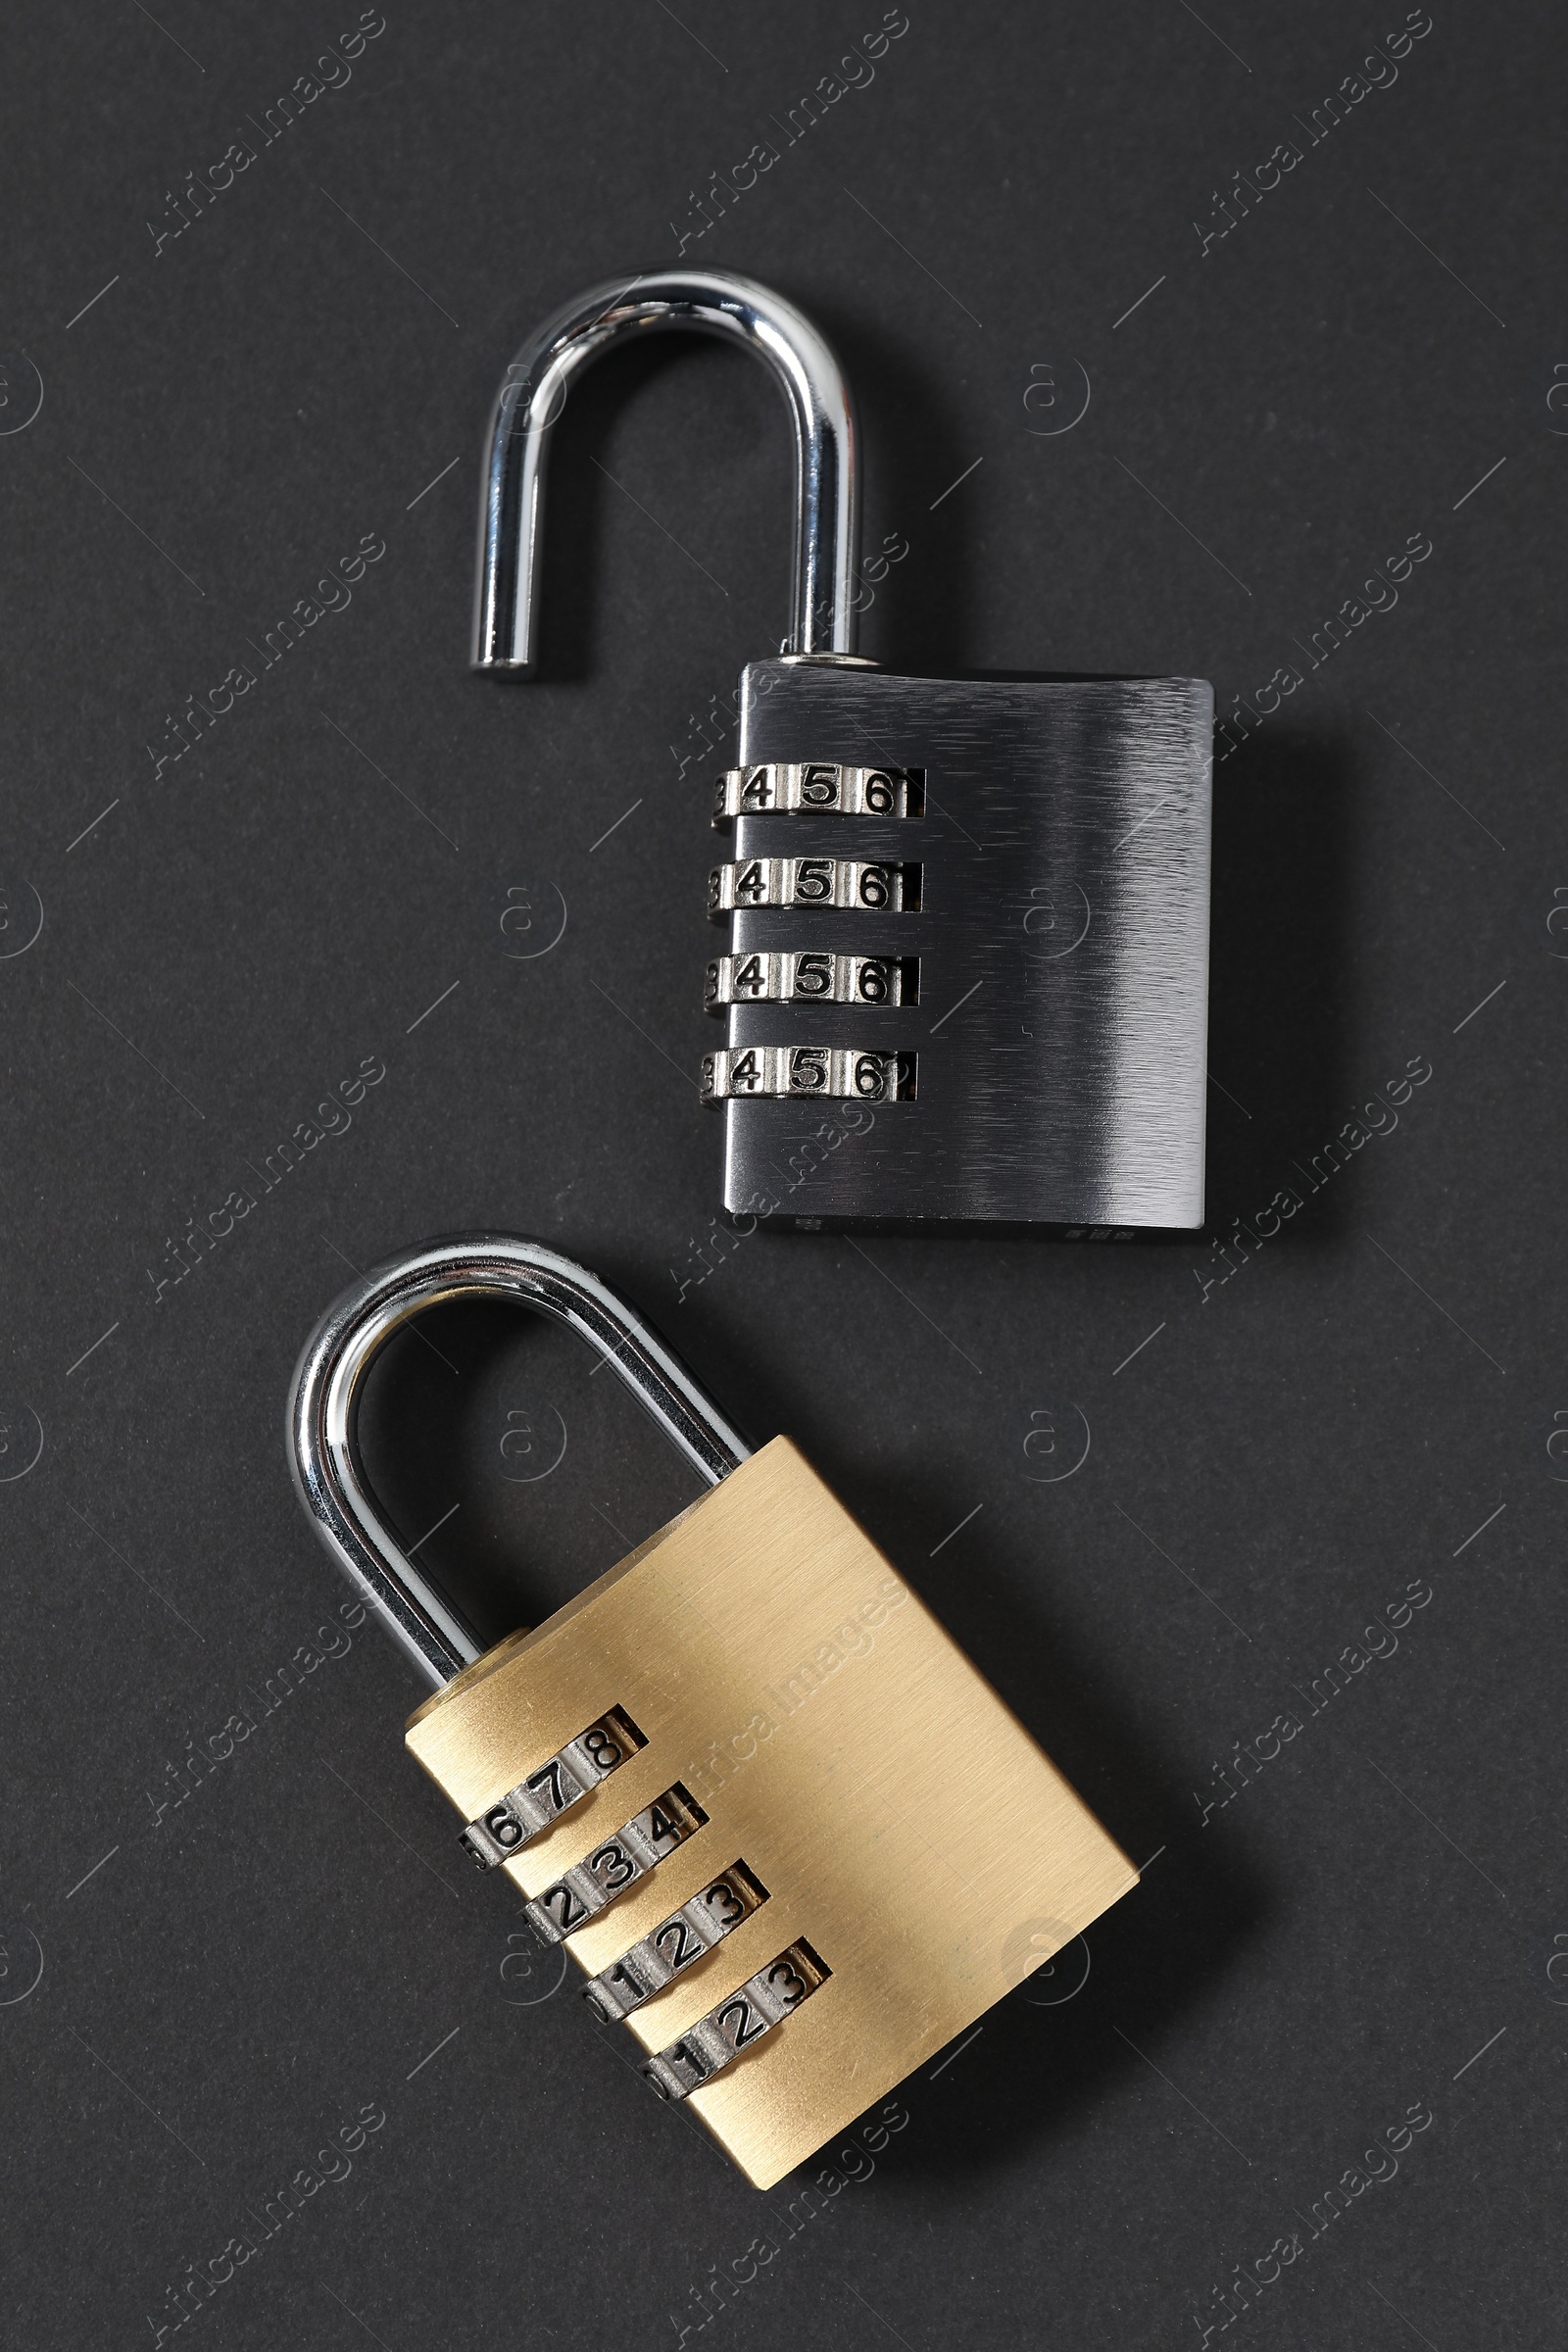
{"x":796,"y":1073}
{"x":675,"y":1945}
{"x":542,"y":1797}
{"x":638,"y":1846}
{"x":738,"y":2022}
{"x":817,"y":785}
{"x":813,"y":977}
{"x":876,"y":887}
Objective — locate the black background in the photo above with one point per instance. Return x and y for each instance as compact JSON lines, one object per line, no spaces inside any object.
{"x":1367,"y":1401}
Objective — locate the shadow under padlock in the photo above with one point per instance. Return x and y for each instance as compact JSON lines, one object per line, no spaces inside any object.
{"x":965,"y":981}
{"x":795,"y":1841}
{"x":1288,"y":1019}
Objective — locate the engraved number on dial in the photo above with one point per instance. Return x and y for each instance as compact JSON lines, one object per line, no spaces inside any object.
{"x":546,"y":1787}
{"x":740,"y":2024}
{"x":503,"y":1828}
{"x":843,"y":882}
{"x":601,"y":1748}
{"x":816,"y":785}
{"x":765,"y":1073}
{"x":563,"y":1908}
{"x":613,"y":1867}
{"x":788,"y":1984}
{"x":815,"y":978}
{"x":754,"y":2009}
{"x":542,"y":1795}
{"x":675,"y":1944}
{"x":636,"y":1847}
{"x":723,"y":1906}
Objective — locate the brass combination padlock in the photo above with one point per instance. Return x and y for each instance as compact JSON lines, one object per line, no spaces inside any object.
{"x":969,"y":916}
{"x":794,"y":1838}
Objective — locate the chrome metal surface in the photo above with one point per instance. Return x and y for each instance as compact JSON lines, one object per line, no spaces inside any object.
{"x":712,"y":302}
{"x":1061,"y":927}
{"x":329,"y":1380}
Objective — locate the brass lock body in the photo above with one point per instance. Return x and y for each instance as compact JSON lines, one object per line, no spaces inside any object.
{"x":794,"y":1838}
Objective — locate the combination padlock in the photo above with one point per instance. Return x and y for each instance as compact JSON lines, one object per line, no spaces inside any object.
{"x":976,"y":909}
{"x":795,"y":1841}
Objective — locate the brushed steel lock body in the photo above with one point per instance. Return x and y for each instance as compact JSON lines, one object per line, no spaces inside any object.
{"x":793,"y":1837}
{"x":1052,"y":1063}
{"x":965,"y":985}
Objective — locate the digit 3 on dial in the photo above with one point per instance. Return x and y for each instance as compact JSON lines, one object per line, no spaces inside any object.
{"x":734,"y":2025}
{"x":675,"y":1944}
{"x":638,"y":1846}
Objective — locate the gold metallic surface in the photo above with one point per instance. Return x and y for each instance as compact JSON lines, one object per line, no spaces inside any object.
{"x":841,"y":1745}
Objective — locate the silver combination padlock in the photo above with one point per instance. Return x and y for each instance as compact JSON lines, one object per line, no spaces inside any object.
{"x":969,"y":916}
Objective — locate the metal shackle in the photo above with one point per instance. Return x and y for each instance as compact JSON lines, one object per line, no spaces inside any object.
{"x":711,"y":302}
{"x":329,"y":1381}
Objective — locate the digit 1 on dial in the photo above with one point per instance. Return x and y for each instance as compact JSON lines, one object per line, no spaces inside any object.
{"x":675,"y":1944}
{"x":735,"y":2024}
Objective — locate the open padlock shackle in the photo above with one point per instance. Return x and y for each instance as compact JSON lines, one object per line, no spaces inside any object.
{"x":329,"y":1380}
{"x":712,"y":302}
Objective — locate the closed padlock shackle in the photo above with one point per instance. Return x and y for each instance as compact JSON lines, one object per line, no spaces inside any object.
{"x":714,"y":302}
{"x":329,"y":1381}
{"x":747,"y":1752}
